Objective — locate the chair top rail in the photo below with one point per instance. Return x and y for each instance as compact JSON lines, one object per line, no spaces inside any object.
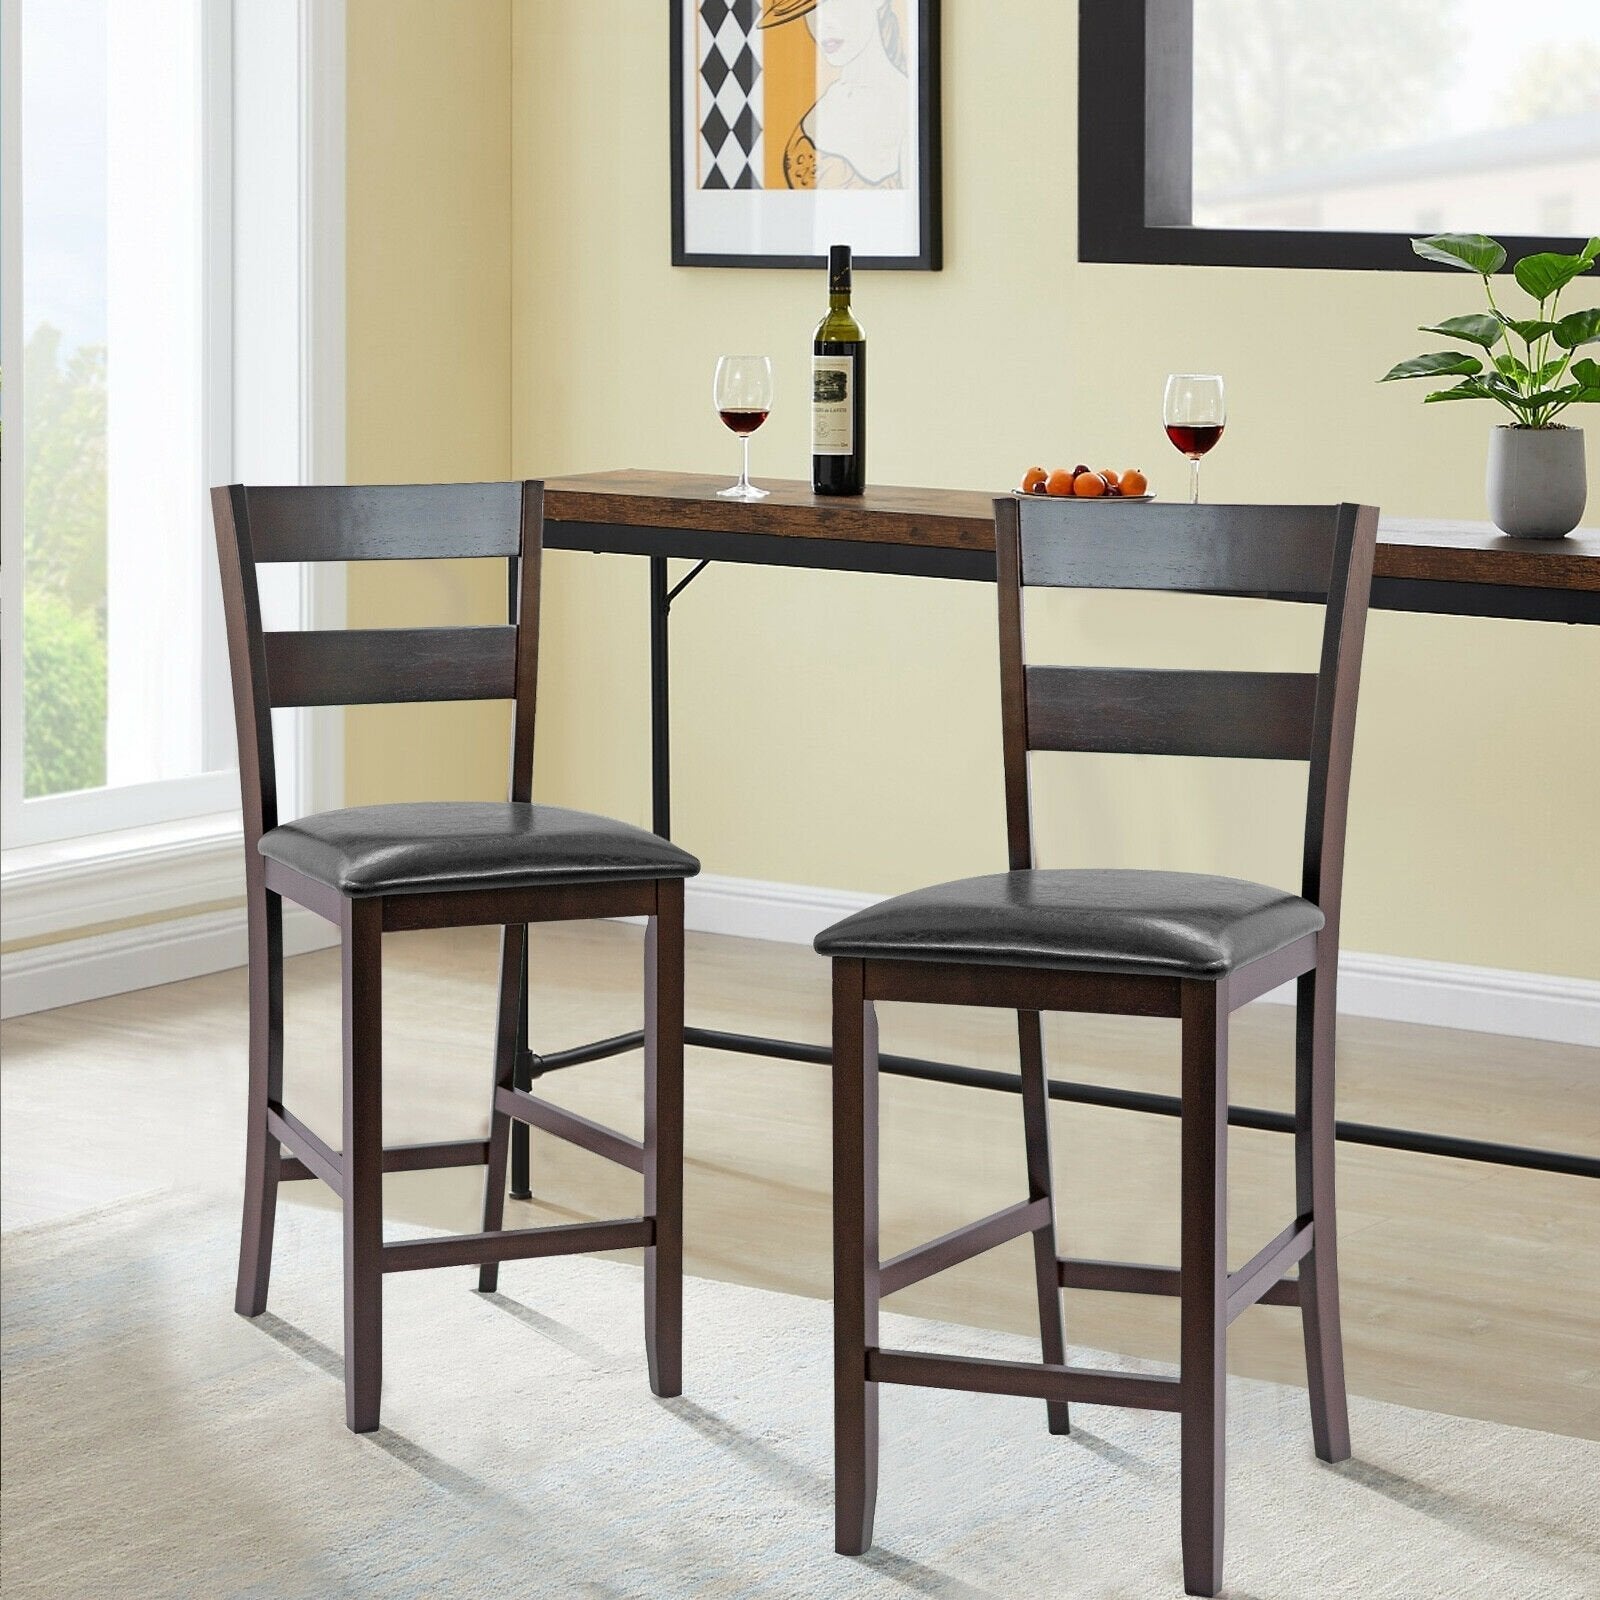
{"x":1271,"y":552}
{"x":385,"y":522}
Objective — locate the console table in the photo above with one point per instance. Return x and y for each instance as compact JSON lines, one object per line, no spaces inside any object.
{"x":1456,"y":568}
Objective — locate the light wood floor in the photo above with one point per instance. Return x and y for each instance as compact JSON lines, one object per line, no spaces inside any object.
{"x":1467,"y":1288}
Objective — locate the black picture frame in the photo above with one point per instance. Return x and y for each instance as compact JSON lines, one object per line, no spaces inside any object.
{"x":1135,"y":121}
{"x":928,"y":255}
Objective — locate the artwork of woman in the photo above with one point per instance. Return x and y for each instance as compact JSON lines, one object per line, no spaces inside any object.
{"x":857,"y":134}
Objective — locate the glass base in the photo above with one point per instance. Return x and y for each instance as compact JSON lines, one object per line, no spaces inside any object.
{"x":742,"y":491}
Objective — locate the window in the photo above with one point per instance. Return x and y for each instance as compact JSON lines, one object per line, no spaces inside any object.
{"x":116,"y":417}
{"x":172,"y":305}
{"x":1274,"y":133}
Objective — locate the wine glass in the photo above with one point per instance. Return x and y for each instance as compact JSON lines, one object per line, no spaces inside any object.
{"x":1195,"y":412}
{"x":742,"y":394}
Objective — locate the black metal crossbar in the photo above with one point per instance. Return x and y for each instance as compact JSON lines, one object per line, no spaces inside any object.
{"x":1090,"y":1094}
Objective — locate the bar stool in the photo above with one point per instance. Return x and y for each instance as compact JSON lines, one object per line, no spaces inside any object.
{"x":372,"y":870}
{"x":1131,"y":943}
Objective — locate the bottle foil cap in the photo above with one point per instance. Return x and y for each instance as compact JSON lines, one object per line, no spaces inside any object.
{"x":839,"y":269}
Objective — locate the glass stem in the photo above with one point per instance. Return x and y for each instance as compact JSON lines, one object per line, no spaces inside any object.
{"x":1194,"y":480}
{"x":744,"y":470}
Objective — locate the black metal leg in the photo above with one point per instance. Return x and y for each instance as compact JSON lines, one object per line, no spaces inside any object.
{"x":660,"y":703}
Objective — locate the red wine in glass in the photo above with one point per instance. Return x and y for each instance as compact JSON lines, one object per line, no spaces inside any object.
{"x":1192,"y":438}
{"x":742,"y":394}
{"x":1194,"y":411}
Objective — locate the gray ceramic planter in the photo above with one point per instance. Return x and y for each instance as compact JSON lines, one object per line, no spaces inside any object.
{"x":1536,"y":485}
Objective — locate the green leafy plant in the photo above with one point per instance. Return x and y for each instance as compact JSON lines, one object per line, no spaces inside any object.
{"x":64,"y":696}
{"x":1537,"y":386}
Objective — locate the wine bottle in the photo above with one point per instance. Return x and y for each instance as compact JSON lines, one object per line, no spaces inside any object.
{"x":839,"y":389}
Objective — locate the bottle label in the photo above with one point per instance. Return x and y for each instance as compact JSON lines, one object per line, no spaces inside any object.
{"x":833,"y":414}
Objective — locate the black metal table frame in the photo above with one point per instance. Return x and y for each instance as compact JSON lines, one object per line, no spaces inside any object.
{"x":659,"y":545}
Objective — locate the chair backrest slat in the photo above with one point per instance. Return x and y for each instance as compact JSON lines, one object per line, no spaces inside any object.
{"x":382,"y":522}
{"x":1280,"y":552}
{"x":385,"y":522}
{"x":389,"y":666}
{"x":1159,"y":712}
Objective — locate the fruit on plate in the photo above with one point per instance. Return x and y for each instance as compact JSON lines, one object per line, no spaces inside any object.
{"x":1086,"y":484}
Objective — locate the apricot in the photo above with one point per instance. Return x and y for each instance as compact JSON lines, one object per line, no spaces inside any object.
{"x":1135,"y":482}
{"x":1059,"y":482}
{"x":1113,"y":479}
{"x":1033,"y":480}
{"x":1089,"y":485}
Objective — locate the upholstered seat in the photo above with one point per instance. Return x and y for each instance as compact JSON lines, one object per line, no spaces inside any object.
{"x":432,"y":847}
{"x":1172,"y":924}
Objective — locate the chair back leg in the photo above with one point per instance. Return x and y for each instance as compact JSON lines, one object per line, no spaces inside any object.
{"x":522,"y":1078}
{"x":362,"y":1160}
{"x":1314,"y":1196}
{"x":263,"y":1154}
{"x":855,"y":1257}
{"x":512,"y":1007}
{"x":1204,"y":1280}
{"x":663,"y":1139}
{"x":1047,"y":1273}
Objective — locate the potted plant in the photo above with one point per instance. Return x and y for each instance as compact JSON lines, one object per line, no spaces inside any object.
{"x":1536,"y":486}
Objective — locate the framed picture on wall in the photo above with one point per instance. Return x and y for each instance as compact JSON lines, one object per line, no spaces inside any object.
{"x":800,"y":124}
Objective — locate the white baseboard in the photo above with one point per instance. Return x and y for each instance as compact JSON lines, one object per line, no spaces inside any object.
{"x":50,"y":975}
{"x":1438,"y":994}
{"x":747,"y":908}
{"x":114,"y":877}
{"x":1528,"y":1005}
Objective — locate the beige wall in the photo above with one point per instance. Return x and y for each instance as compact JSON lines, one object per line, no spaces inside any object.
{"x":428,"y":273}
{"x":842,"y":730}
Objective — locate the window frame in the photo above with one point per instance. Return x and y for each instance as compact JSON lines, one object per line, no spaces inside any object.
{"x":1135,"y":167}
{"x":51,"y":818}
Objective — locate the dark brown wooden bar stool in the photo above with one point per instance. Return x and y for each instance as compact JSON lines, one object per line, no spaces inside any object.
{"x":378,"y":869}
{"x":1132,"y":943}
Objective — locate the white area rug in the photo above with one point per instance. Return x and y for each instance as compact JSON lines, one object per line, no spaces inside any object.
{"x":157,"y":1445}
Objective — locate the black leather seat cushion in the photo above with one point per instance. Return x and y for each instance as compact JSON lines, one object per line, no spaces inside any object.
{"x":431,"y":847}
{"x":1174,"y":924}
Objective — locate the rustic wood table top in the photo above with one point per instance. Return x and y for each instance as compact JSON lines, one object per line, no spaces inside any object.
{"x":1416,"y":558}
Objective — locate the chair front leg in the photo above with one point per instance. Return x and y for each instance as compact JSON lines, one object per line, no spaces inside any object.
{"x":362,"y":964}
{"x":1314,"y":1197}
{"x":1203,"y":1365}
{"x":508,"y":1035}
{"x":263,"y":1154}
{"x":855,"y":1257}
{"x":663,"y":1138}
{"x":1047,"y":1274}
